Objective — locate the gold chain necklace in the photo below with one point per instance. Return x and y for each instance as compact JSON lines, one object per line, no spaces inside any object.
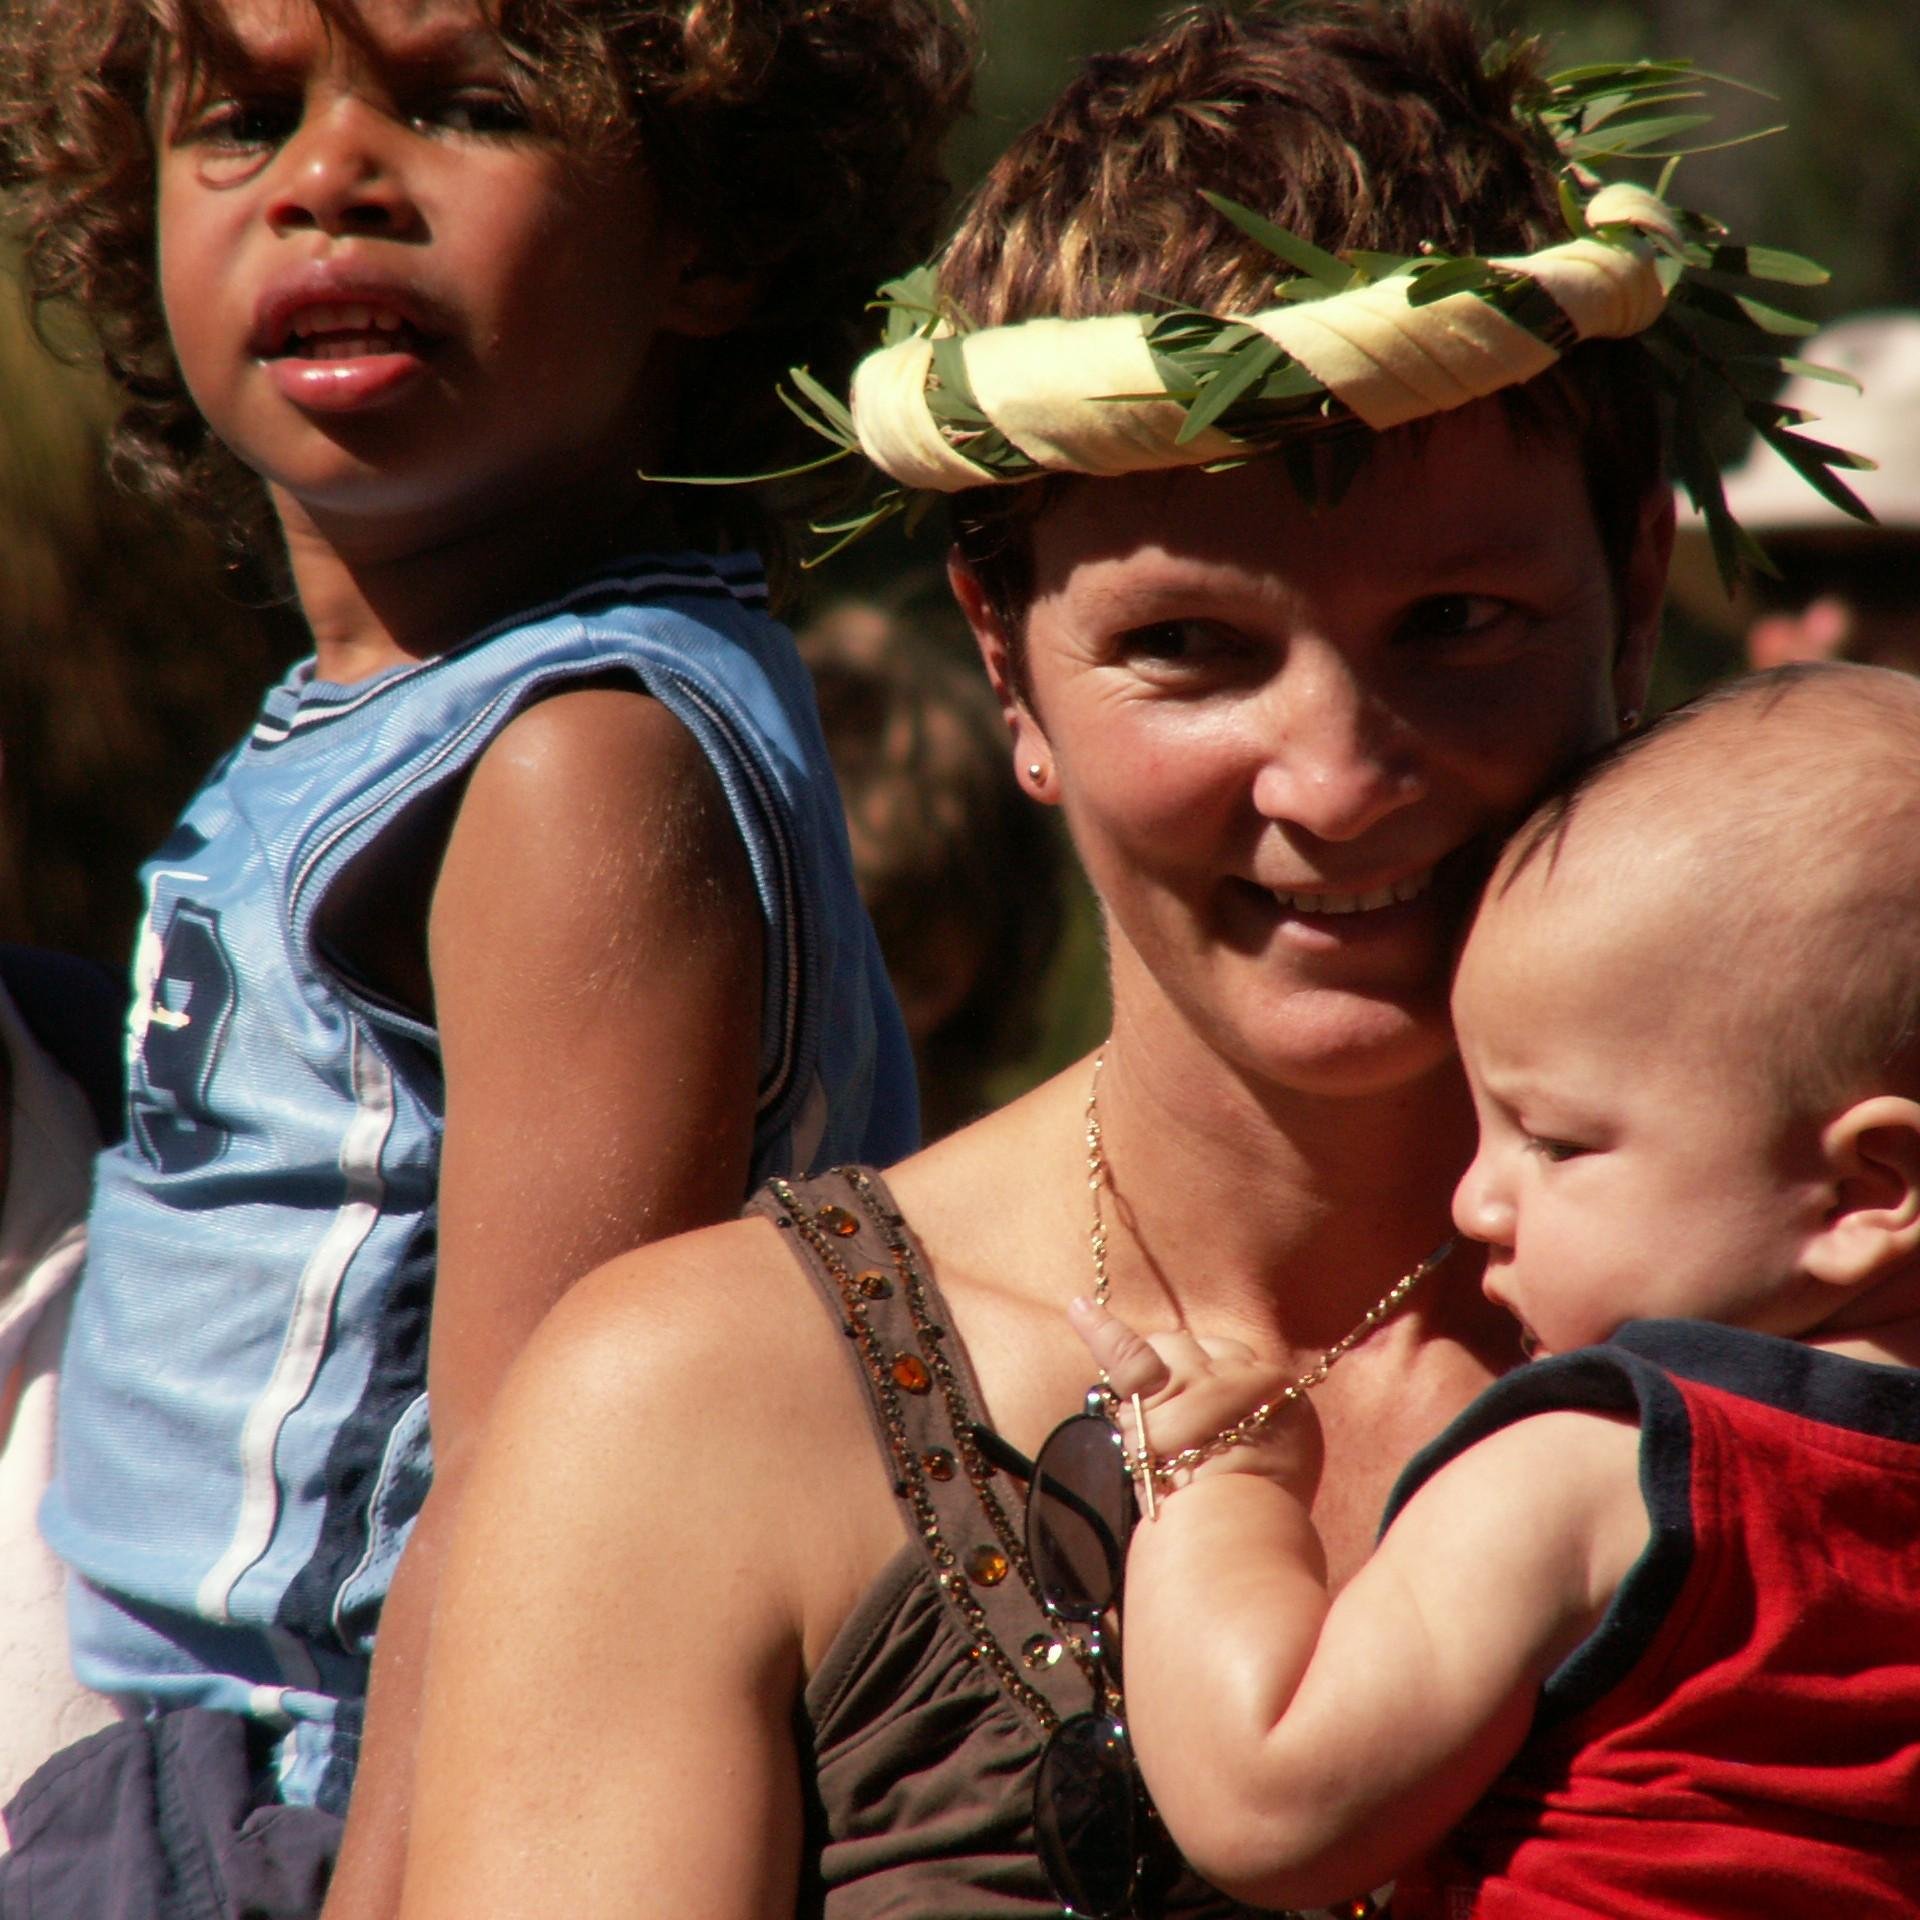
{"x":1161,"y":1472}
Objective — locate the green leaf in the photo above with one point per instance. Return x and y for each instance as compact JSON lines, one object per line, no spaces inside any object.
{"x":1812,"y":370}
{"x":1701,"y":475}
{"x":832,"y":407}
{"x":1773,"y":320}
{"x":1571,"y":209}
{"x":1291,"y":382}
{"x":1383,"y":266}
{"x":750,"y":479}
{"x":1302,"y":255}
{"x":1814,"y":463}
{"x":1245,"y":367}
{"x":1628,"y":138}
{"x":1448,"y":277}
{"x":1610,"y":106}
{"x":956,"y":407}
{"x":1769,"y":263}
{"x":852,"y":530}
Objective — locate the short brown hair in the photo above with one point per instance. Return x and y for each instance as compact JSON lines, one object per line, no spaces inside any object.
{"x":1780,"y":808}
{"x":798,"y":139}
{"x":1355,"y":124}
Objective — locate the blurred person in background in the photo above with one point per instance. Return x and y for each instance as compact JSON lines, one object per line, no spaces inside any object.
{"x":60,"y":1094}
{"x":1846,"y":590}
{"x":964,"y":878}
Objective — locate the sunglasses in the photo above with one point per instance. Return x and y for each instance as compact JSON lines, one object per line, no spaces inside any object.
{"x":1094,"y":1828}
{"x":1105,"y":1854}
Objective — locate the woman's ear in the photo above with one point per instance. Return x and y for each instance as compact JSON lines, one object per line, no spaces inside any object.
{"x":1872,"y":1153}
{"x":1032,"y":756}
{"x":1645,"y":591}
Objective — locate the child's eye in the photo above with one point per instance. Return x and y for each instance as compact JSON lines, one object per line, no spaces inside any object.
{"x":481,"y":110}
{"x":241,"y":125}
{"x":1556,"y":1150}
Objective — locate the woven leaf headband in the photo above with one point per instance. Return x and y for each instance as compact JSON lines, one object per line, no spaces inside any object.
{"x":1360,"y":340}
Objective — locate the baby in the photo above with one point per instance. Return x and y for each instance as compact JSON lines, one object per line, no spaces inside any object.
{"x":1640,"y":1634}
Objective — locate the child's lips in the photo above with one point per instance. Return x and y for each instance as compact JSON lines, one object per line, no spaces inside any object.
{"x":343,"y":372}
{"x":335,"y":339}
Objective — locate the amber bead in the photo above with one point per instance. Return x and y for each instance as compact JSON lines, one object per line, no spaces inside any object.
{"x":938,"y":1464}
{"x":873,"y":1284}
{"x":987,"y":1566}
{"x":1042,"y":1651}
{"x":838,"y":1220}
{"x":910,"y":1373}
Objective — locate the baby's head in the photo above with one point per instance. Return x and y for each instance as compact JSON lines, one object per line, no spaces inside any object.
{"x":788,"y":149}
{"x":1689,"y":1009}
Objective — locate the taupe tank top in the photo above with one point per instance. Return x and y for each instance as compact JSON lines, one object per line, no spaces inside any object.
{"x":921,"y":1730}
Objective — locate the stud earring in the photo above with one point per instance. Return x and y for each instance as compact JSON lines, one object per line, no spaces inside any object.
{"x":1035,"y":771}
{"x":1629,"y":719}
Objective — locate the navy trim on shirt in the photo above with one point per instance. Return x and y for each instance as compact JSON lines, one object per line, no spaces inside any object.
{"x":1631,"y":1374}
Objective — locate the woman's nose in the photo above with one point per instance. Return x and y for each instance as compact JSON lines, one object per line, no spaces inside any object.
{"x":338,"y":175}
{"x":1481,"y":1209}
{"x":1337,"y":762}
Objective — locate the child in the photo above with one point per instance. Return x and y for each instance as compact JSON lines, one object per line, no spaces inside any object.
{"x":1641,"y":1626}
{"x":521,"y":928}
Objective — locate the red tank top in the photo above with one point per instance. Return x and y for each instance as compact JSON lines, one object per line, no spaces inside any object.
{"x":1741,"y":1736}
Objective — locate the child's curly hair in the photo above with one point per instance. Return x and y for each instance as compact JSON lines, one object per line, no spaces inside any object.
{"x":798,"y":138}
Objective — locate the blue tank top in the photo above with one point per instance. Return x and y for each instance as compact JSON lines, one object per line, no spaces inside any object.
{"x":243,"y":1420}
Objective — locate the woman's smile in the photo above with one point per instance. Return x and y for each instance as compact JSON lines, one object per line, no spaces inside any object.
{"x":1283,"y":746}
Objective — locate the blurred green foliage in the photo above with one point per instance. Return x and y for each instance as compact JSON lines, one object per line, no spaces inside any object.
{"x":129,"y":659}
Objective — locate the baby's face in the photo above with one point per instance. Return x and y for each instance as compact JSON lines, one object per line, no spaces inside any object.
{"x":1632,"y":1163}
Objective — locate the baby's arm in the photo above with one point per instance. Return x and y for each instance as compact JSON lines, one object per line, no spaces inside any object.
{"x":595,"y":946}
{"x":1302,"y":1751}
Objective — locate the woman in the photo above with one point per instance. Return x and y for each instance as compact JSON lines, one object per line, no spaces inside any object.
{"x":706,"y":1647}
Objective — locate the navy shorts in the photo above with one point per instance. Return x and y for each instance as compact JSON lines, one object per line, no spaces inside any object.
{"x":164,"y":1819}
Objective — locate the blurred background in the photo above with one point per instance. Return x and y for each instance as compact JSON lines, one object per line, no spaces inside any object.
{"x":130,"y":657}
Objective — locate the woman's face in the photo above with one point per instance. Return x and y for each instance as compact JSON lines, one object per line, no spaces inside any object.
{"x":1284,"y":737}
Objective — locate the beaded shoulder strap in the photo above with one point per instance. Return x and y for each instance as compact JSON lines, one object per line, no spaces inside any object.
{"x":966,"y":1515}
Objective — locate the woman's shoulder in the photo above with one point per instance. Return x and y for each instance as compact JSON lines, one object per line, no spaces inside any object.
{"x":724,"y":1304}
{"x":692,"y":1378}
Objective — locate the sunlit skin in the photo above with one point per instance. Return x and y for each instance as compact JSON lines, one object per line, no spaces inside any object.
{"x":412,"y":314}
{"x":1642,"y":1156}
{"x":1255,"y":711}
{"x":1629,"y":1167}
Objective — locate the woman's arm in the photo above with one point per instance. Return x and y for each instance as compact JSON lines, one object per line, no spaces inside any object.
{"x":595,"y":948}
{"x":618,"y":1643}
{"x":1303,"y":1750}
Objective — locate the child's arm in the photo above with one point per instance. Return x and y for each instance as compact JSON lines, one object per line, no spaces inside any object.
{"x":1302,"y":1752}
{"x":595,"y":947}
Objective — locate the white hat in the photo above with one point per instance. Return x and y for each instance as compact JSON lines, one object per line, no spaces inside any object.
{"x":1881,"y":421}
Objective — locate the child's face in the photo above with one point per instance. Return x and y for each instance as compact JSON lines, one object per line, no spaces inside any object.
{"x":1632,"y":1162}
{"x":387,"y":294}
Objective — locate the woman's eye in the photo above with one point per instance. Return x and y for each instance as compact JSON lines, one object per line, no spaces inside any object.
{"x":484,"y":110}
{"x":1457,"y":617}
{"x":1177,"y":643}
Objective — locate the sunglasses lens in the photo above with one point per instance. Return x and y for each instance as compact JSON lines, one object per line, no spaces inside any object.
{"x":1079,"y":1514}
{"x":1086,"y":1815}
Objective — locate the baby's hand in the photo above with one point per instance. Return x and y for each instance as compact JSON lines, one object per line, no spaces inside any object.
{"x":1194,"y":1389}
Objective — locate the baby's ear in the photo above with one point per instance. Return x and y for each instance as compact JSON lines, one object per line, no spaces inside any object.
{"x":1872,"y":1152}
